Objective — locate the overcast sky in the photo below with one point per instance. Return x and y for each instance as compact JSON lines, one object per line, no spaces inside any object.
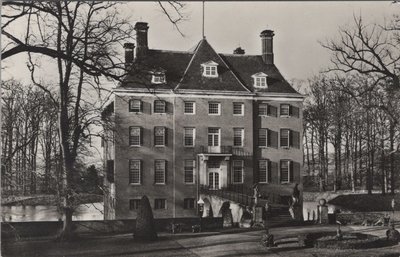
{"x":298,"y":27}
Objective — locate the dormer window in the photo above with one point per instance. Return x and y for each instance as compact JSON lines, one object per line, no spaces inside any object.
{"x":158,"y":78}
{"x":260,"y":80}
{"x":210,"y":69}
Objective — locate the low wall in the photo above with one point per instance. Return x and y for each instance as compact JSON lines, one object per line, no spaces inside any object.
{"x":357,"y":218}
{"x":51,"y":228}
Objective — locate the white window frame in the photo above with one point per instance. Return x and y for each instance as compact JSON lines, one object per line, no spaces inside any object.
{"x":193,"y":106}
{"x":288,"y":110}
{"x":140,"y":136}
{"x":193,"y":170}
{"x":193,"y":136}
{"x":213,"y":134}
{"x":219,"y":108}
{"x":260,"y":82}
{"x":158,"y":78}
{"x":140,"y":171}
{"x":241,"y":137}
{"x":288,"y":174}
{"x":210,"y":71}
{"x":233,"y":171}
{"x":241,"y":109}
{"x":266,"y":109}
{"x":267,"y":171}
{"x":280,"y":138}
{"x":266,"y":138}
{"x":130,"y":103}
{"x":164,"y":136}
{"x":163,"y":172}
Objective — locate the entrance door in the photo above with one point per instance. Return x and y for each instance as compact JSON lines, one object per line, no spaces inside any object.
{"x":214,"y":140}
{"x":213,"y":180}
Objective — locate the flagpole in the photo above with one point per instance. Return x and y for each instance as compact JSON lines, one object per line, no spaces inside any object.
{"x":203,"y":20}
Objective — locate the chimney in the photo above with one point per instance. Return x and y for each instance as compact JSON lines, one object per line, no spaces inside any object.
{"x":267,"y":46}
{"x":141,"y":39}
{"x":239,"y":50}
{"x":129,"y":48}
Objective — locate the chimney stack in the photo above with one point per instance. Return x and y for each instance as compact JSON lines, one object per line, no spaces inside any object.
{"x":129,"y":48}
{"x":267,"y":46}
{"x":141,"y":39}
{"x":239,"y":50}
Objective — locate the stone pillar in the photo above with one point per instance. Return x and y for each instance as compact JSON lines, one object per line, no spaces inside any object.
{"x":258,"y":216}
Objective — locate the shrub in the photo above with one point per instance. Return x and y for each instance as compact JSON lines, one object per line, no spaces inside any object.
{"x":145,"y":228}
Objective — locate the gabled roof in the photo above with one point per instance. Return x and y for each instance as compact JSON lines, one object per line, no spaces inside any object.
{"x":194,"y":80}
{"x":209,"y":63}
{"x":244,"y":66}
{"x":259,"y":74}
{"x":183,"y":72}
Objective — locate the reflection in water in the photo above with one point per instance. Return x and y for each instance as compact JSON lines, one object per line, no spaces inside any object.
{"x":50,"y":213}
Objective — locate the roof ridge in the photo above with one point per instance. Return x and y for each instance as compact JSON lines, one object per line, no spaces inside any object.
{"x":241,"y":55}
{"x":171,"y":51}
{"x":191,"y":60}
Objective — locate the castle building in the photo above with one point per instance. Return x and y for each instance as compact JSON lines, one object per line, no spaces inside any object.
{"x":189,"y":119}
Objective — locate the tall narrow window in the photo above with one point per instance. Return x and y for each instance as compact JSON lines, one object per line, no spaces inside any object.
{"x":285,"y":171}
{"x":262,"y":109}
{"x":135,"y":172}
{"x":214,"y":108}
{"x":159,"y":171}
{"x":190,"y":108}
{"x":135,"y":136}
{"x":160,"y":204}
{"x":213,"y":136}
{"x":238,"y":108}
{"x":285,"y":110}
{"x":159,"y":106}
{"x":285,"y":136}
{"x":135,"y":105}
{"x":189,"y":171}
{"x":263,"y":171}
{"x":238,"y":171}
{"x":160,"y":136}
{"x":238,"y":136}
{"x":189,"y":137}
{"x":262,"y":137}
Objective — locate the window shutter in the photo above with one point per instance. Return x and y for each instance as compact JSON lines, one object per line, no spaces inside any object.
{"x":274,"y":111}
{"x":269,"y":171}
{"x":274,"y":138}
{"x":290,"y":138}
{"x":165,"y":171}
{"x":290,"y":110}
{"x":290,"y":171}
{"x":268,"y":110}
{"x":295,"y":111}
{"x":141,"y":136}
{"x":166,"y":136}
{"x":141,"y":106}
{"x":141,"y":171}
{"x":268,"y":137}
{"x":296,"y":139}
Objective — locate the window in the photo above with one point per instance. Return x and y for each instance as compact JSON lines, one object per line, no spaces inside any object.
{"x":189,"y":171}
{"x":262,"y":109}
{"x":188,"y":203}
{"x":285,"y":110}
{"x":189,"y":137}
{"x":285,"y":171}
{"x":160,"y":136}
{"x":134,"y":204}
{"x":260,"y":80}
{"x":135,"y":105}
{"x":263,"y":170}
{"x":238,"y":136}
{"x":238,"y":108}
{"x":159,"y":106}
{"x":263,"y":137}
{"x":210,"y":69}
{"x":190,"y":108}
{"x":214,"y":108}
{"x":135,"y":136}
{"x":213,"y":136}
{"x":134,"y":171}
{"x":159,"y":171}
{"x":158,"y":78}
{"x":285,"y":134}
{"x":160,"y":204}
{"x":238,"y":171}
